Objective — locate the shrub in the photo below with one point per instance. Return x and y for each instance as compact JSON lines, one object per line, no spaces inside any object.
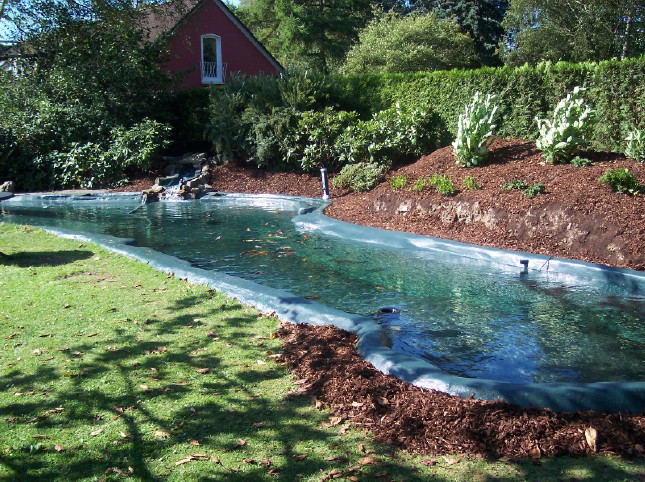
{"x":398,"y":182}
{"x":320,"y":131}
{"x":580,"y":162}
{"x":635,"y":148}
{"x":443,"y":184}
{"x":136,"y":147}
{"x":623,"y":181}
{"x":360,"y":177}
{"x":421,"y":184}
{"x":470,"y":183}
{"x":534,"y":190}
{"x":474,"y":130}
{"x":392,"y":135}
{"x":561,"y":136}
{"x":515,"y":184}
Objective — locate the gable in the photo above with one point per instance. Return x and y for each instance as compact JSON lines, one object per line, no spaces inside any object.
{"x":184,"y":23}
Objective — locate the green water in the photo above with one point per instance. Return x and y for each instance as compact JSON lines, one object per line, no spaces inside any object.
{"x":473,"y":319}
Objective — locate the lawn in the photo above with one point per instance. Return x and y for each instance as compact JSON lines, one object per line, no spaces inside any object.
{"x":111,"y":370}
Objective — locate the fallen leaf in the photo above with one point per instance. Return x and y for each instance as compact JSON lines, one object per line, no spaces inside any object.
{"x":591,"y":435}
{"x":58,"y":448}
{"x":194,"y":442}
{"x":240,"y":442}
{"x":300,"y":458}
{"x":261,"y":362}
{"x":369,"y":460}
{"x":91,"y":335}
{"x":535,"y":453}
{"x":249,"y":461}
{"x":144,"y":387}
{"x":266,"y":462}
{"x":452,"y":461}
{"x":429,"y":462}
{"x":273,"y":472}
{"x":161,"y":434}
{"x":203,"y":371}
{"x":96,"y":432}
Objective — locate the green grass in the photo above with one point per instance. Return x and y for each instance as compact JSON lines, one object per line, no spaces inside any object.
{"x":102,"y":363}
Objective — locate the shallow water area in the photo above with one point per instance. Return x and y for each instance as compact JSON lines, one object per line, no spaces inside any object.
{"x":470,"y":317}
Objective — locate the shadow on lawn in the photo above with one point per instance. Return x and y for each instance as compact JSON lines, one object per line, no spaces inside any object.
{"x":150,"y":414}
{"x":35,"y":259}
{"x":147,"y":413}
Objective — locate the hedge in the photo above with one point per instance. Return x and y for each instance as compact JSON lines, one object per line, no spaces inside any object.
{"x":615,"y":88}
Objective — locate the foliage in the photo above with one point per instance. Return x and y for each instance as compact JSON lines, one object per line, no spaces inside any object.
{"x":568,"y":129}
{"x":635,"y":147}
{"x":581,"y":162}
{"x":398,"y":182}
{"x":92,"y":165}
{"x":320,"y":131}
{"x":534,"y":190}
{"x":421,"y":184}
{"x":470,"y":183}
{"x":515,"y":184}
{"x":570,"y":30}
{"x":616,"y":89}
{"x":312,"y":34}
{"x":392,"y":135}
{"x":394,"y":43}
{"x":443,"y":184}
{"x":474,"y":130}
{"x":361,"y":176}
{"x":90,"y":72}
{"x":622,"y":181}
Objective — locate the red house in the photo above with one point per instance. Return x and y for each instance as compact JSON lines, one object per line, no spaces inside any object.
{"x":207,"y":42}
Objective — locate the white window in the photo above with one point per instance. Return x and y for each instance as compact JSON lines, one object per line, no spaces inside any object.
{"x":212,"y":67}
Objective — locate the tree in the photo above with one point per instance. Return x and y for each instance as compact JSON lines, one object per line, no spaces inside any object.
{"x":572,"y":30}
{"x":316,"y":33}
{"x":412,"y":43}
{"x":88,"y":74}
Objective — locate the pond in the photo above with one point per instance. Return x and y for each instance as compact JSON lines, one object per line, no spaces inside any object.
{"x":472,"y":315}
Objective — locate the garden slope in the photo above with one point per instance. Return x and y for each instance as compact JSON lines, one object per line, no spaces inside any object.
{"x":577,"y":217}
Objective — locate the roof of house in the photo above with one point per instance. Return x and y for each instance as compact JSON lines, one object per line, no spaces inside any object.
{"x":165,"y":18}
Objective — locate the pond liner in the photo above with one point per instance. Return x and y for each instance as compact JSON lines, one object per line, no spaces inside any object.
{"x":373,"y":344}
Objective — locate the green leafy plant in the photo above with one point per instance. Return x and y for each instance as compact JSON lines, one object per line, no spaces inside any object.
{"x":515,"y":184}
{"x":534,"y":190}
{"x":320,"y":130}
{"x":398,"y":182}
{"x":562,"y":135}
{"x":443,"y":184}
{"x":361,"y":176}
{"x":474,"y":130}
{"x":392,"y":136}
{"x":581,"y":162}
{"x":470,"y":183}
{"x":421,"y":184}
{"x":635,"y":148}
{"x":622,"y":181}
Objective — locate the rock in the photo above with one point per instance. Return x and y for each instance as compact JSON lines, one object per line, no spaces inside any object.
{"x":8,"y":186}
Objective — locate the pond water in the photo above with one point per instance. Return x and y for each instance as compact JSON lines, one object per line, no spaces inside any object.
{"x":473,"y":319}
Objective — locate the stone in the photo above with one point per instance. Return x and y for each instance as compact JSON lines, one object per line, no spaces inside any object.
{"x":8,"y":186}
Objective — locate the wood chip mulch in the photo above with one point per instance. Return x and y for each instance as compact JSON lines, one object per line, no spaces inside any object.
{"x":430,"y":422}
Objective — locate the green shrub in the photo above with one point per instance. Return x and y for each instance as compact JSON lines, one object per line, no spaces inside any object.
{"x":443,"y":184}
{"x":361,"y":176}
{"x":580,"y":162}
{"x":392,"y":135}
{"x":320,"y":131}
{"x":515,"y":184}
{"x":471,"y":183}
{"x":398,"y":182}
{"x":568,"y":129}
{"x":474,"y":130}
{"x":635,"y":147}
{"x":534,"y":190}
{"x":136,"y":147}
{"x":421,"y":184}
{"x":623,"y":181}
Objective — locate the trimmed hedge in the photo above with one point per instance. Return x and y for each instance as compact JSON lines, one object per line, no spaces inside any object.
{"x":616,"y":89}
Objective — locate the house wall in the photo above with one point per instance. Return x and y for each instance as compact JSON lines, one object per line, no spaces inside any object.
{"x":238,"y":52}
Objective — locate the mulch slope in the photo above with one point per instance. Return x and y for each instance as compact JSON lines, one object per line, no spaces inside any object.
{"x":429,"y":422}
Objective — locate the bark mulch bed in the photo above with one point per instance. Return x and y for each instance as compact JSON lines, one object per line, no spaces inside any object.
{"x":430,"y":422}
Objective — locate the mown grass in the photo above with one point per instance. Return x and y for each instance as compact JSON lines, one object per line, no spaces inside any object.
{"x":109,"y":369}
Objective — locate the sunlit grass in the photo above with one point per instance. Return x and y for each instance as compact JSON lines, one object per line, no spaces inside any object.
{"x":110,"y":369}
